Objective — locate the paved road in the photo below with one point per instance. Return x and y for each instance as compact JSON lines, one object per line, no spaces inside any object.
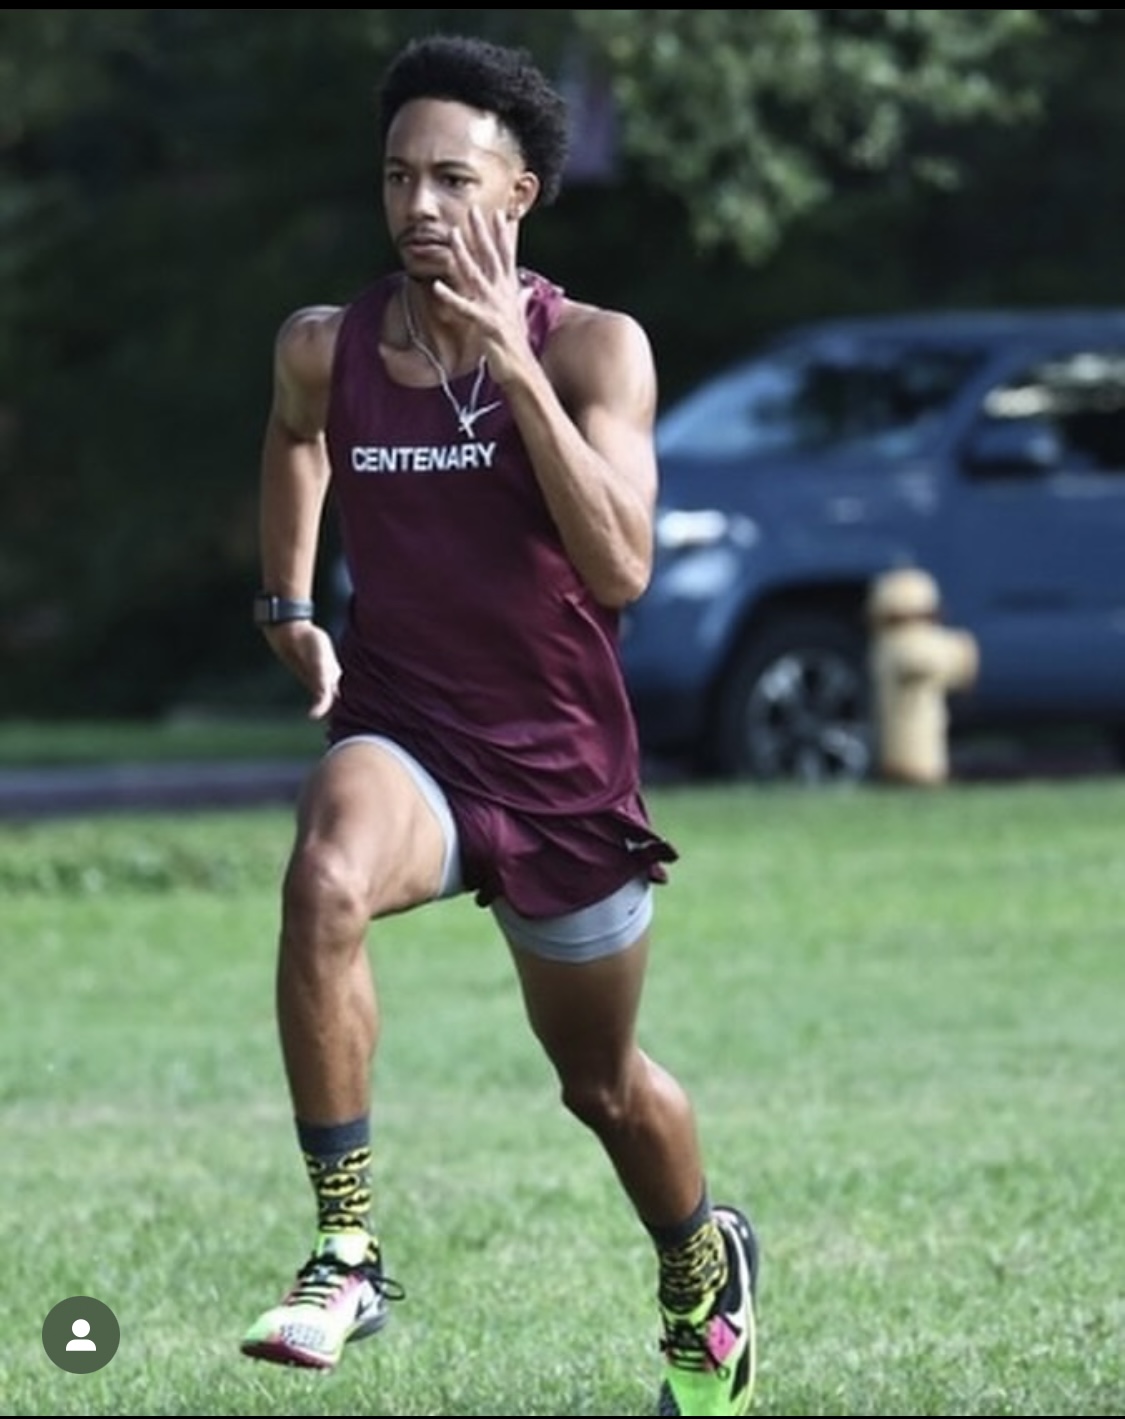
{"x":61,"y":792}
{"x":104,"y":788}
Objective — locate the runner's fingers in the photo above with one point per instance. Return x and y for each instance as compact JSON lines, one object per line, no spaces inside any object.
{"x":469,"y":274}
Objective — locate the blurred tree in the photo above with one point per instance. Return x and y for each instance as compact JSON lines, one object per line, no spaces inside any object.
{"x":753,"y":118}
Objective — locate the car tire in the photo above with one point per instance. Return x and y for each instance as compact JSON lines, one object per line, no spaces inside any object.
{"x":795,"y":704}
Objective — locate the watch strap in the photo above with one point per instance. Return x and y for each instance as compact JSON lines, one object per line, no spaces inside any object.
{"x":271,"y":610}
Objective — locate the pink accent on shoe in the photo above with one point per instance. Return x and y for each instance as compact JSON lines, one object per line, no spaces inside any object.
{"x":722,"y":1337}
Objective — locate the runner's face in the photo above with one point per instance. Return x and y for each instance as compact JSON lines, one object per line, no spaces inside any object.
{"x":441,"y":160}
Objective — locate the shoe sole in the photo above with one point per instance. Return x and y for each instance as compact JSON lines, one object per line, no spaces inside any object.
{"x":278,"y":1352}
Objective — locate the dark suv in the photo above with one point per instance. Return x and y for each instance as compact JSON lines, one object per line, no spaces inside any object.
{"x":986,"y":447}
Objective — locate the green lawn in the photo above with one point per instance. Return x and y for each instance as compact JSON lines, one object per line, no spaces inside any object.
{"x":901,"y":1015}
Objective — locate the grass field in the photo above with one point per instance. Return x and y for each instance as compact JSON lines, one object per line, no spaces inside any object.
{"x":901,"y":1015}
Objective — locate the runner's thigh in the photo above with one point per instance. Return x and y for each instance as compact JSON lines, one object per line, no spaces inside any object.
{"x":372,"y":808}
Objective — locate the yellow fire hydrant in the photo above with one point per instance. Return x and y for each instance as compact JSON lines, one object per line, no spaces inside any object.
{"x":915,"y":662}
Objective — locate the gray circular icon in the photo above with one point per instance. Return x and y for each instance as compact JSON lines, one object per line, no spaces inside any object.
{"x":81,"y":1334}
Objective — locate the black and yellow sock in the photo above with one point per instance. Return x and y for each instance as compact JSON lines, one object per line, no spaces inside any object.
{"x":692,"y":1260}
{"x":338,"y":1159}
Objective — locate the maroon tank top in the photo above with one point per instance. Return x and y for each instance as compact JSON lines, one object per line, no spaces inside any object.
{"x":470,"y":638}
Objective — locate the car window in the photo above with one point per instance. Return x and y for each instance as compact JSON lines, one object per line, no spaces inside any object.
{"x":885,"y":398}
{"x":1073,"y":404}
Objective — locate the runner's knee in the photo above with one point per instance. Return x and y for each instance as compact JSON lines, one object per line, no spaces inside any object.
{"x":325,"y":898}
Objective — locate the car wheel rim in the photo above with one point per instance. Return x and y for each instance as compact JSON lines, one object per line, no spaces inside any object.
{"x":805,"y":721}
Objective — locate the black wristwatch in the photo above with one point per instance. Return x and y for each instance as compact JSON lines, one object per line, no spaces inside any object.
{"x":270,"y":610}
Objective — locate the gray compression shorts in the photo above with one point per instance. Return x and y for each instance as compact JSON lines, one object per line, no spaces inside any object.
{"x":601,"y":929}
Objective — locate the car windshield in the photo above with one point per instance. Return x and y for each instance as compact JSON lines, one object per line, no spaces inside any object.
{"x":884,"y":398}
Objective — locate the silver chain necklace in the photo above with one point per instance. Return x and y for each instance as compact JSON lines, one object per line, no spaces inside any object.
{"x":466,"y":414}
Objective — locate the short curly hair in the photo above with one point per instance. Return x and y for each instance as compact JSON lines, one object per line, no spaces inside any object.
{"x":495,"y":79}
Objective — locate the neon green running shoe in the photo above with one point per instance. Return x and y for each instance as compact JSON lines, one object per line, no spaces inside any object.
{"x":711,"y":1353}
{"x":340,"y":1294}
